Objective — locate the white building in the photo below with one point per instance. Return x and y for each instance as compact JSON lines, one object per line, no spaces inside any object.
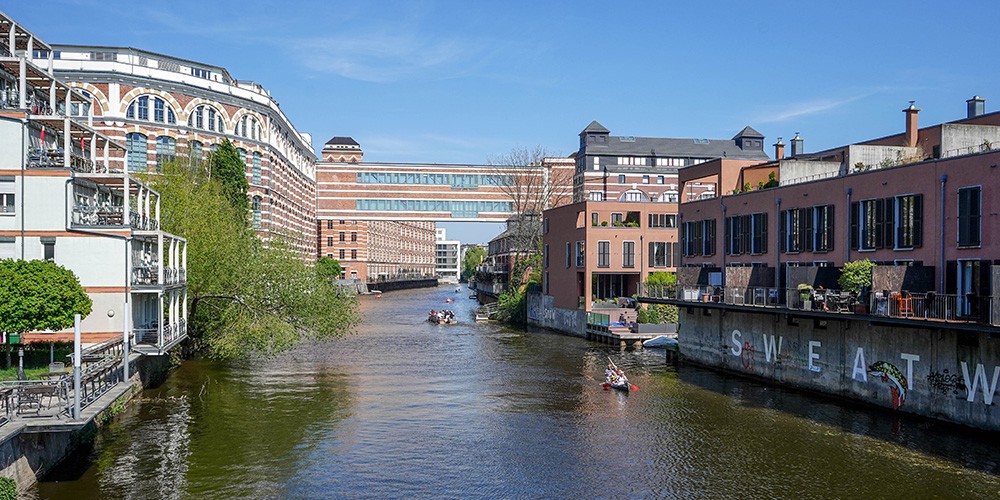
{"x":449,"y":263}
{"x":64,"y":199}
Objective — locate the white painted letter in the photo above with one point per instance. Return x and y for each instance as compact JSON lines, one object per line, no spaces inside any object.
{"x":988,"y":389}
{"x":910,"y":358}
{"x":769,"y":348}
{"x":812,"y":355}
{"x":860,"y":366}
{"x":736,"y":342}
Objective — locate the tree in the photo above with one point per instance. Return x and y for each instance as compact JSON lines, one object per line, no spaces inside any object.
{"x":246,"y":296}
{"x":230,"y":171}
{"x":661,"y":278}
{"x":39,"y":295}
{"x":328,"y":269}
{"x":473,"y":258}
{"x":856,"y":275}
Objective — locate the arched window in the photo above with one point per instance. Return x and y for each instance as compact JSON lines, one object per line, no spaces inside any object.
{"x":255,"y":171}
{"x":136,"y":145}
{"x":256,"y":211}
{"x":166,"y":150}
{"x":207,"y":118}
{"x":633,"y":195}
{"x":195,"y":152}
{"x":162,"y":112}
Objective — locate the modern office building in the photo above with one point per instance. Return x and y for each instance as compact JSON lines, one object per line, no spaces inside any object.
{"x":164,"y":108}
{"x":65,"y":199}
{"x":365,"y":199}
{"x":449,"y":265}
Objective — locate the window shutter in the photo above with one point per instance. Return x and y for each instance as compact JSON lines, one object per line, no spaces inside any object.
{"x":963,"y":217}
{"x":802,"y":229}
{"x":650,"y":252}
{"x":763,"y":232}
{"x":783,"y":230}
{"x":951,"y":276}
{"x":855,"y":214}
{"x":727,"y":235}
{"x":830,"y":225}
{"x":889,"y":224}
{"x":808,"y":234}
{"x":918,"y":221}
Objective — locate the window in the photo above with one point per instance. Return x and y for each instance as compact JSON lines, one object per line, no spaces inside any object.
{"x":139,"y":109}
{"x":103,"y":56}
{"x":7,"y":205}
{"x":158,"y":110}
{"x":48,"y":248}
{"x":645,"y":179}
{"x":595,"y":219}
{"x":166,"y":150}
{"x":670,"y":197}
{"x":970,"y":216}
{"x":195,"y":152}
{"x":329,"y":224}
{"x":628,"y":254}
{"x":329,"y":241}
{"x":243,"y":157}
{"x":354,"y":253}
{"x":568,"y":255}
{"x":8,"y":248}
{"x":631,"y":160}
{"x":616,"y":219}
{"x":824,"y":228}
{"x":545,"y":256}
{"x":691,"y":237}
{"x":341,"y":254}
{"x":354,"y":236}
{"x":342,"y":236}
{"x":670,"y":162}
{"x":581,"y":255}
{"x":708,"y":237}
{"x":791,"y":229}
{"x":257,"y":202}
{"x":663,"y":221}
{"x":255,"y":169}
{"x":136,"y":145}
{"x":211,"y":119}
{"x":201,"y":73}
{"x":596,"y":196}
{"x":633,"y":195}
{"x":603,"y":254}
{"x":81,"y":109}
{"x":621,"y":179}
{"x":661,"y":254}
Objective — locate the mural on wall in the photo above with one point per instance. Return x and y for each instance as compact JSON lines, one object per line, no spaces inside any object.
{"x":897,"y":382}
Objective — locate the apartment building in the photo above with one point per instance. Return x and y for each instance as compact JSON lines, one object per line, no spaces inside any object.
{"x":63,"y":198}
{"x":164,"y":109}
{"x":449,"y":265}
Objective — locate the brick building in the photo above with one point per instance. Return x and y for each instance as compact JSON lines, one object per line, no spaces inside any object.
{"x":164,"y":108}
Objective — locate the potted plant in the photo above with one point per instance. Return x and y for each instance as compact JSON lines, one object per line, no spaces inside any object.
{"x":805,"y":295}
{"x":855,"y":276}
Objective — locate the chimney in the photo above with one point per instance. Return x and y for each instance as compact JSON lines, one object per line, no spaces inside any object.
{"x":796,"y":145}
{"x":976,"y":106}
{"x":779,"y":149}
{"x":911,"y":125}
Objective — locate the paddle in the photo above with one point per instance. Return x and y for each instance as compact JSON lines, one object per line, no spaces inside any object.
{"x":630,"y":386}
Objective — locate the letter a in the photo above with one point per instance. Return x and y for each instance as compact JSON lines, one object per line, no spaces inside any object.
{"x":860,"y":366}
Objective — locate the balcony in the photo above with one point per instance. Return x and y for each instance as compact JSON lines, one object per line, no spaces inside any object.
{"x":56,"y":158}
{"x":98,"y":215}
{"x":930,"y":306}
{"x":143,"y":223}
{"x":146,"y":274}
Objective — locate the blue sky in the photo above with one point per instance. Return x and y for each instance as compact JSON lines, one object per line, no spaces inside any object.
{"x":457,"y":82}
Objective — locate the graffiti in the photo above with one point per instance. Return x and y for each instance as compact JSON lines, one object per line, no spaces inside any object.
{"x":944,"y":382}
{"x":747,"y":356}
{"x":888,"y":372}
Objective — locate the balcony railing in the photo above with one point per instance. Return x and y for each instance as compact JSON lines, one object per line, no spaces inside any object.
{"x":98,"y":215}
{"x":143,"y":223}
{"x":56,"y":158}
{"x":891,"y":304}
{"x":145,"y":274}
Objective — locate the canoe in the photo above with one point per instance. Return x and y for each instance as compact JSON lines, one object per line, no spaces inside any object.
{"x":661,"y":341}
{"x":618,"y":386}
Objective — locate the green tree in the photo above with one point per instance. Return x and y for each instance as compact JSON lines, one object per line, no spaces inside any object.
{"x":328,"y":269}
{"x":473,"y":258}
{"x":230,"y":171}
{"x":39,"y":295}
{"x":662,"y":278}
{"x":856,"y":275}
{"x":246,"y":296}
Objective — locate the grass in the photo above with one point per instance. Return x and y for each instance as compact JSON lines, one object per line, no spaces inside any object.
{"x":36,"y":360}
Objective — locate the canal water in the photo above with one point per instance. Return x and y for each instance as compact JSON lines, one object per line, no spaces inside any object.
{"x":404,"y":408}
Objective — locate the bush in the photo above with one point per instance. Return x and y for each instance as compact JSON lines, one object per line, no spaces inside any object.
{"x":8,"y":489}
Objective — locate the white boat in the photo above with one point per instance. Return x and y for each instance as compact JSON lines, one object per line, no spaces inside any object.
{"x":661,"y":341}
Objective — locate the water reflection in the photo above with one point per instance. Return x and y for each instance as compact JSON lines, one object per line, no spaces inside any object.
{"x":404,"y":408}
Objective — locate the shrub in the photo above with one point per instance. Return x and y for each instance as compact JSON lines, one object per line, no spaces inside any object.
{"x":856,"y":275}
{"x":8,"y":489}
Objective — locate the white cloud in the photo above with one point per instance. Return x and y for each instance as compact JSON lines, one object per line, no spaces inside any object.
{"x":800,"y":109}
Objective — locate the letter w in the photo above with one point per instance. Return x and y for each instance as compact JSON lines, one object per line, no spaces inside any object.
{"x":769,"y":347}
{"x":988,"y":389}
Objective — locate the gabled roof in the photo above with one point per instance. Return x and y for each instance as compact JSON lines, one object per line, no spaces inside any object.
{"x":341,"y":141}
{"x":748,"y":131}
{"x":677,"y":147}
{"x":595,"y":127}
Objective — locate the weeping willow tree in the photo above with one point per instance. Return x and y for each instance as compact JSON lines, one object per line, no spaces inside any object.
{"x":245,"y":296}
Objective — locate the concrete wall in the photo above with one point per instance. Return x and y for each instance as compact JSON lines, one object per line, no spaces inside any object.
{"x":795,"y":171}
{"x":917,"y":279}
{"x":872,"y":156}
{"x":940,"y":373}
{"x":967,"y":138}
{"x":543,"y":313}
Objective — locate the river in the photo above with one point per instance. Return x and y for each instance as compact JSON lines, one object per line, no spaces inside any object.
{"x":404,"y":408}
